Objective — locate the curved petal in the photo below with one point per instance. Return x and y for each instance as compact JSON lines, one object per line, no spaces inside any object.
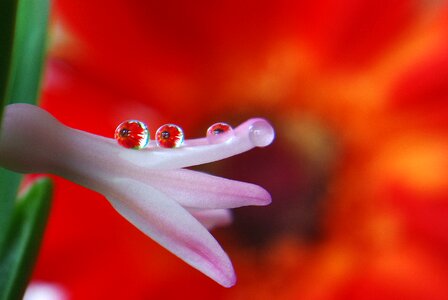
{"x":199,"y":190}
{"x":27,"y":124}
{"x":252,"y":133}
{"x":170,"y":225}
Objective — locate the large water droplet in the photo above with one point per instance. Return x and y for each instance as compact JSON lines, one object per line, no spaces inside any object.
{"x":132,"y":134}
{"x":261,"y":133}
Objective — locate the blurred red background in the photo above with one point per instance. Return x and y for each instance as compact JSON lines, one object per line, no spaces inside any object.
{"x":358,"y":94}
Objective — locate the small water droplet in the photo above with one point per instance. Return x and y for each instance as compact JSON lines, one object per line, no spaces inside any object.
{"x":169,"y":136}
{"x":219,"y":133}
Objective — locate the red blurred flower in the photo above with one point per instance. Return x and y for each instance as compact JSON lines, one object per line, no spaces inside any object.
{"x":357,"y":90}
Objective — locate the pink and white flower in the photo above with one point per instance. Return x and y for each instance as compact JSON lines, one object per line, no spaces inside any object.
{"x":149,"y":187}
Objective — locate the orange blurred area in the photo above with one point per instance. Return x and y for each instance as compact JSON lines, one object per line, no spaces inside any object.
{"x":358,"y":94}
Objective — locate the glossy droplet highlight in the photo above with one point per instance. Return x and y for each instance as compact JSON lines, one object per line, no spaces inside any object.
{"x":219,"y":132}
{"x":261,"y":133}
{"x":132,"y":134}
{"x":169,"y":136}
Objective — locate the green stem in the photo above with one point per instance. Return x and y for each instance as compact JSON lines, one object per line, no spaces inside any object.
{"x":23,"y":33}
{"x":8,"y":9}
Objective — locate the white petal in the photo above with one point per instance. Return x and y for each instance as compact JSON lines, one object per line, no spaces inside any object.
{"x":200,"y":190}
{"x":250,"y":134}
{"x":166,"y":222}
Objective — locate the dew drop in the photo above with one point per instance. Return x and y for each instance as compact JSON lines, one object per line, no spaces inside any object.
{"x":219,"y":133}
{"x":261,"y":133}
{"x":132,"y":134}
{"x":169,"y":136}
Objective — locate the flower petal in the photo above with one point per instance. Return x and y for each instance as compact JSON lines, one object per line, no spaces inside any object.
{"x":199,"y":190}
{"x":52,"y":142}
{"x":170,"y":225}
{"x":252,"y":133}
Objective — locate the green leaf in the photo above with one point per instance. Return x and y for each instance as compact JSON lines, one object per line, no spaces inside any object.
{"x":23,"y":27}
{"x":19,"y":250}
{"x":9,"y":183}
{"x":28,"y":51}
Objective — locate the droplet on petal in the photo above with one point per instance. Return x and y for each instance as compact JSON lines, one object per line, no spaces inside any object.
{"x":261,"y":133}
{"x":132,"y":134}
{"x":169,"y":136}
{"x":219,"y":132}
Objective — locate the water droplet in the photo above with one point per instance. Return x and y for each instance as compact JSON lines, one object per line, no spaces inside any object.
{"x":132,"y":134}
{"x":261,"y":133}
{"x":219,"y":132}
{"x":169,"y":136}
